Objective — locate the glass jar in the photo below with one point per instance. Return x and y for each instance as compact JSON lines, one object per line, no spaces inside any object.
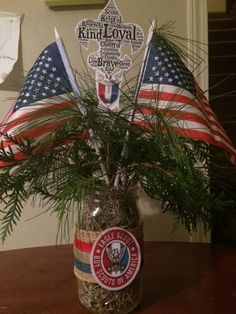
{"x":108,"y":253}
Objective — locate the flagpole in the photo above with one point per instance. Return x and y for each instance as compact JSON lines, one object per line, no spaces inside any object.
{"x":149,"y":38}
{"x":65,"y":59}
{"x":76,"y":90}
{"x":124,"y":151}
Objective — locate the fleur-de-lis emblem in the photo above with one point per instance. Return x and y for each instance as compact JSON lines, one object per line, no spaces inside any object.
{"x":111,"y":34}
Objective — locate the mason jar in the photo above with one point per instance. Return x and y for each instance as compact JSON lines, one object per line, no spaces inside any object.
{"x":108,"y":252}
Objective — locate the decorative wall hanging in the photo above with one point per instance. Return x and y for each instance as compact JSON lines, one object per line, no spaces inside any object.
{"x":57,"y":3}
{"x":9,"y":42}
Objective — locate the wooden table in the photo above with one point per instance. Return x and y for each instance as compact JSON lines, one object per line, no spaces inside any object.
{"x":178,"y":278}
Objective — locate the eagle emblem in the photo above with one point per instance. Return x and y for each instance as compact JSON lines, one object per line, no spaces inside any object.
{"x":116,"y":253}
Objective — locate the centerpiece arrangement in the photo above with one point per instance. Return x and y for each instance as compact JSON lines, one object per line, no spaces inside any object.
{"x":87,"y":146}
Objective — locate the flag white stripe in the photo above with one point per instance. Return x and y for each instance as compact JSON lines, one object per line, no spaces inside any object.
{"x":190,"y":125}
{"x":182,"y":108}
{"x":175,"y":91}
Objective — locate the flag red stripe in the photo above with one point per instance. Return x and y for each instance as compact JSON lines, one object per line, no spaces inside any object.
{"x":25,"y":115}
{"x":185,"y":124}
{"x":157,"y":95}
{"x":195,"y":134}
{"x":211,"y":140}
{"x":181,"y":99}
{"x":183,"y":115}
{"x":18,"y":155}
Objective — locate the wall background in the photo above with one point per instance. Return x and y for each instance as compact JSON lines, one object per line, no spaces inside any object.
{"x":37,"y":31}
{"x":216,"y":5}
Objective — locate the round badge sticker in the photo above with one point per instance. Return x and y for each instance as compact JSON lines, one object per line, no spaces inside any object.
{"x":115,"y":258}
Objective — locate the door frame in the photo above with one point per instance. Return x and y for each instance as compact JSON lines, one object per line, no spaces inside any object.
{"x":197,"y":33}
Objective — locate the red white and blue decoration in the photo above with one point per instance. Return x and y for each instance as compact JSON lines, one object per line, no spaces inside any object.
{"x":108,"y":91}
{"x":115,"y":258}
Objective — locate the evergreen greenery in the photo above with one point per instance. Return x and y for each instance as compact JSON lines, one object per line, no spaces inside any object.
{"x":65,"y":164}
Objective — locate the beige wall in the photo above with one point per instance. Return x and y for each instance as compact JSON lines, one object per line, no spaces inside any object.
{"x":216,"y":5}
{"x":39,"y":22}
{"x":36,"y":33}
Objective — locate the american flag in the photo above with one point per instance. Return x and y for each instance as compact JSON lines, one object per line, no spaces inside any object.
{"x":169,"y":86}
{"x":46,"y":91}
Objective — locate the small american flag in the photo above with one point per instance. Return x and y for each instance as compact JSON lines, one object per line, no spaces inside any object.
{"x":46,"y":91}
{"x":169,"y":86}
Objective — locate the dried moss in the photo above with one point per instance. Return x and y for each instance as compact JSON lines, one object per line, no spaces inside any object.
{"x":101,"y":211}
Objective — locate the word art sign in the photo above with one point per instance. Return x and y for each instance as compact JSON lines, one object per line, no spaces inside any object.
{"x":111,"y":34}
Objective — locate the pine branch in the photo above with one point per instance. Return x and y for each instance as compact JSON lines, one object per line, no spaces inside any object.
{"x":14,"y":204}
{"x":64,"y":164}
